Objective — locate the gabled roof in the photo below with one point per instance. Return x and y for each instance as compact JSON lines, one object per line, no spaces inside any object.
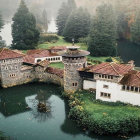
{"x":29,"y":59}
{"x":9,"y":54}
{"x":132,"y":78}
{"x":109,"y":68}
{"x":43,"y":63}
{"x":56,"y":71}
{"x":38,"y":53}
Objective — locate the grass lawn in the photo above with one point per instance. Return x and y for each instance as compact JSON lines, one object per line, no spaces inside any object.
{"x":102,"y":110}
{"x":104,"y":117}
{"x":60,"y":42}
{"x":57,"y":65}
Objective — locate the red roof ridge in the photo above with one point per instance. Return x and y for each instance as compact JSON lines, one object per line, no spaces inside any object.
{"x":114,"y":68}
{"x":137,"y":75}
{"x":2,"y":50}
{"x":103,"y":66}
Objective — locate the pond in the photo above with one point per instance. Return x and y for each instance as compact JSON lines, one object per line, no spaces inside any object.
{"x":20,"y":120}
{"x":129,"y":51}
{"x":6,"y":32}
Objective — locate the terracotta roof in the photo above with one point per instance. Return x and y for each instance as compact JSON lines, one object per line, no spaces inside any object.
{"x":56,"y":71}
{"x":132,"y":78}
{"x":43,"y":63}
{"x":38,"y":53}
{"x":109,"y":68}
{"x":29,"y":59}
{"x":9,"y":54}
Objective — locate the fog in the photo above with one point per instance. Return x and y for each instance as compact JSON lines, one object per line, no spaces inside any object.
{"x":9,"y":7}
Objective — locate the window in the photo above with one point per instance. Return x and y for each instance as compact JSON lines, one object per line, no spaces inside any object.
{"x":127,"y":88}
{"x":132,"y":88}
{"x":105,"y":95}
{"x":136,"y":89}
{"x":74,"y":84}
{"x":38,"y":60}
{"x":12,"y":75}
{"x":6,"y":68}
{"x":123,"y":87}
{"x":105,"y":86}
{"x":100,"y":76}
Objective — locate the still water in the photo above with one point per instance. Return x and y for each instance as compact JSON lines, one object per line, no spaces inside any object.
{"x":129,"y":51}
{"x":6,"y":32}
{"x":20,"y":119}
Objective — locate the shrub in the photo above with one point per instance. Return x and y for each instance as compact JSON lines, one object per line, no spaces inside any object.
{"x":109,"y":59}
{"x":100,"y":122}
{"x":48,"y":38}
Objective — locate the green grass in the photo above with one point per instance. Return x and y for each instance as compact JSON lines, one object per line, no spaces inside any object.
{"x":102,"y":59}
{"x":60,"y":42}
{"x":57,"y":65}
{"x":112,"y":111}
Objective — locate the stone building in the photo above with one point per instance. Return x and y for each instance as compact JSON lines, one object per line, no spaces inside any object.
{"x":14,"y":70}
{"x":38,"y":55}
{"x":73,"y":59}
{"x":10,"y":67}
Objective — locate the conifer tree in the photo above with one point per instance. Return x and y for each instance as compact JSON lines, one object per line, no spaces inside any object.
{"x":63,"y":14}
{"x":1,"y":22}
{"x":24,"y":31}
{"x":135,"y":29}
{"x":102,"y":40}
{"x":45,"y":20}
{"x":77,"y":25}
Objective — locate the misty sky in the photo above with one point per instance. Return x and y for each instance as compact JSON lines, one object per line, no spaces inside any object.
{"x":9,"y":7}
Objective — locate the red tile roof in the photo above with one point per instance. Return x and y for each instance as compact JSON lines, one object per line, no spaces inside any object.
{"x":41,"y":53}
{"x":29,"y":59}
{"x":9,"y":54}
{"x":109,"y":68}
{"x":38,"y":53}
{"x":132,"y":78}
{"x":56,"y":71}
{"x":43,"y":63}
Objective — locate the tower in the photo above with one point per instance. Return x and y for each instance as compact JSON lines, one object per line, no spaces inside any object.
{"x":73,"y":59}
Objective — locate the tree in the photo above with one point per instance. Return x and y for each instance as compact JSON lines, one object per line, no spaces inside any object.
{"x":45,"y":20}
{"x":77,"y":25}
{"x":24,"y":31}
{"x":102,"y":40}
{"x":135,"y":28}
{"x":1,"y":22}
{"x":63,"y":14}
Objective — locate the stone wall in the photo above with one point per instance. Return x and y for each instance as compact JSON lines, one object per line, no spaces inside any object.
{"x":72,"y":79}
{"x":30,"y":75}
{"x":10,"y":71}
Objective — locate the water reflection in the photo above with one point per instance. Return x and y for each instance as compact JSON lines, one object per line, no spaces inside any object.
{"x":129,"y":51}
{"x":20,"y":118}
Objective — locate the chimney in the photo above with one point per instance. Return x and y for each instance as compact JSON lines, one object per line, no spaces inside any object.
{"x":131,"y":63}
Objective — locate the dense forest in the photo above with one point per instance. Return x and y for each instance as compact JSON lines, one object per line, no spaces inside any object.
{"x":99,"y":24}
